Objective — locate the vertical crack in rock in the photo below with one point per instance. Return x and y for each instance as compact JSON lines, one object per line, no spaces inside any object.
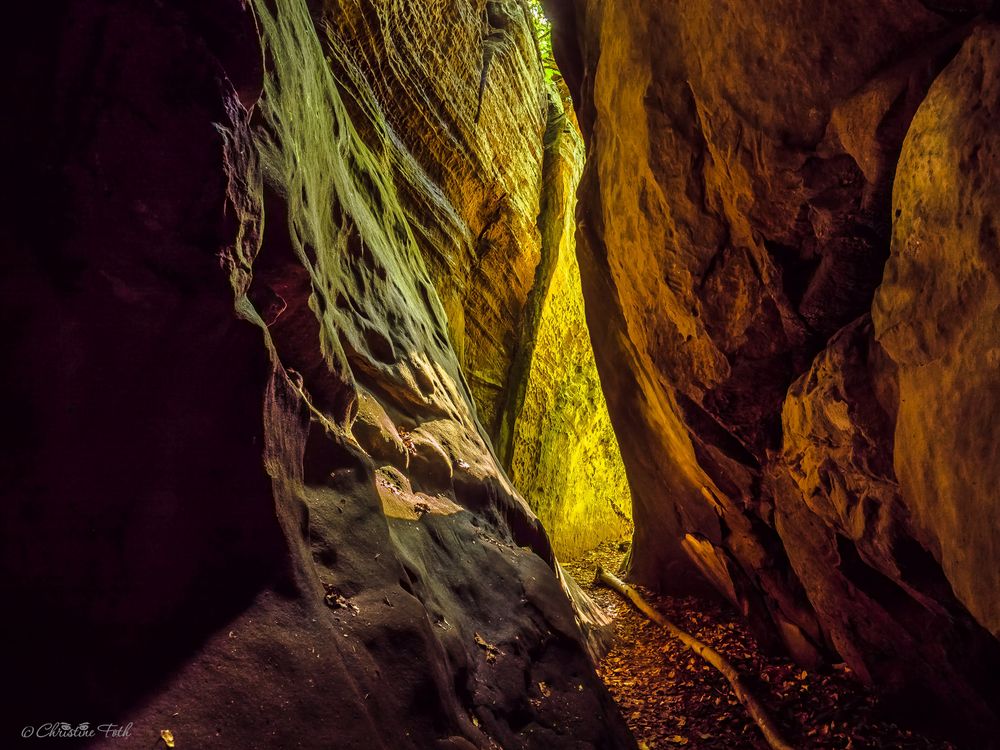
{"x":556,"y":437}
{"x":469,"y":190}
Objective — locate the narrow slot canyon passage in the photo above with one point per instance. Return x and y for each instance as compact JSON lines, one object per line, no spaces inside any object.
{"x":502,"y":374}
{"x":566,"y":463}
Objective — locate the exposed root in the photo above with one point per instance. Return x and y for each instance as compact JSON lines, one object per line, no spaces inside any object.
{"x":767,"y":726}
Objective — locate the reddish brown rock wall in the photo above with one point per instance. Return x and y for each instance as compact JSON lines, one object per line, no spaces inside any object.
{"x":936,"y":316}
{"x":735,"y":217}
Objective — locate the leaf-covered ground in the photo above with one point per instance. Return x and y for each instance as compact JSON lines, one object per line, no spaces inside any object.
{"x":671,"y":698}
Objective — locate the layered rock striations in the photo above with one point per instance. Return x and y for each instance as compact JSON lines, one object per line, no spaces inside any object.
{"x":486,"y":160}
{"x":829,"y":476}
{"x":460,"y":87}
{"x":251,"y":501}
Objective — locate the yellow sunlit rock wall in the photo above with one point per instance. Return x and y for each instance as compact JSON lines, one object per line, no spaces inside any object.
{"x":565,"y":458}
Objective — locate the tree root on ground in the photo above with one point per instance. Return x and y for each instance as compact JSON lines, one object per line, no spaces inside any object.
{"x":767,"y":726}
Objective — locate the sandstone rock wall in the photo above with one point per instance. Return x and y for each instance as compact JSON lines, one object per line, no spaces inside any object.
{"x":736,"y":213}
{"x":936,"y":315}
{"x":460,"y":86}
{"x":250,"y":501}
{"x":486,"y":164}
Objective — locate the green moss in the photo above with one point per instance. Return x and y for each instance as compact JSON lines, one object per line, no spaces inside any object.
{"x":346,"y":223}
{"x":543,"y":35}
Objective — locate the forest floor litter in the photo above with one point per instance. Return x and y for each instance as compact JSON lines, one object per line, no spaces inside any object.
{"x":671,"y":698}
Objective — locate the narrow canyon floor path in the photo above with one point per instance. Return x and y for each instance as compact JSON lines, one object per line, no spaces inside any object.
{"x":671,"y":698}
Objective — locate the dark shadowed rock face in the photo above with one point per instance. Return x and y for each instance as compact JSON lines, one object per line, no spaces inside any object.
{"x":248,"y":498}
{"x":837,"y":484}
{"x":936,"y":315}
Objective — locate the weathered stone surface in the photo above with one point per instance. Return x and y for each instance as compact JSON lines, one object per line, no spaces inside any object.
{"x":488,"y":200}
{"x":469,"y":188}
{"x":251,"y":501}
{"x":735,"y":215}
{"x":276,"y":274}
{"x":937,"y":314}
{"x":880,"y":596}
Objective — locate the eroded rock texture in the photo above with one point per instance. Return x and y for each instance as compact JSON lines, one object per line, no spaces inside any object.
{"x":735,"y":218}
{"x":460,"y":86}
{"x":936,"y":315}
{"x":250,"y":500}
{"x":486,"y":163}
